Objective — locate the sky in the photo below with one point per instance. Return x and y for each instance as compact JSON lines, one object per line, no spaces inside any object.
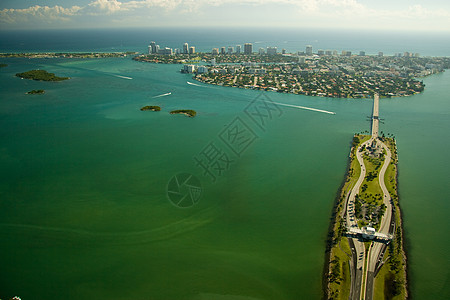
{"x":403,"y":15}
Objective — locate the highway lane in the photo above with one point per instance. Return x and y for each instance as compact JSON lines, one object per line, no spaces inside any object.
{"x":377,"y":250}
{"x":358,"y":246}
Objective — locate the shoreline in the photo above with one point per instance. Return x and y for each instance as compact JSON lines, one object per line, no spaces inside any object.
{"x":395,"y":266}
{"x":331,"y":231}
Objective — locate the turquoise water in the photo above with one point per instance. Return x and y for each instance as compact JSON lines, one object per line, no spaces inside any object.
{"x":84,"y":212}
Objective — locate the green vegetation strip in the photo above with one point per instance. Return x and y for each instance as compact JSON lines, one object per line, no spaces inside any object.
{"x":390,"y":282}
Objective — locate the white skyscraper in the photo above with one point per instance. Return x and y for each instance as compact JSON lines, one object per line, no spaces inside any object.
{"x":186,"y":48}
{"x":309,"y":50}
{"x":272,"y":50}
{"x":152,"y":48}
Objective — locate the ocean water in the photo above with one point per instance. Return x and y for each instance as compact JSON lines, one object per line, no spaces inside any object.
{"x":204,"y":39}
{"x":84,"y":174}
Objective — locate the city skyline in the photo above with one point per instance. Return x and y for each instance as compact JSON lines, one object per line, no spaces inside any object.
{"x":403,"y":15}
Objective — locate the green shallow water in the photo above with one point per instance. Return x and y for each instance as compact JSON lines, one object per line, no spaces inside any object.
{"x":84,"y":173}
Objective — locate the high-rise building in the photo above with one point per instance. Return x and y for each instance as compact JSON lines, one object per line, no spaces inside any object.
{"x":156,"y":49}
{"x":165,"y":51}
{"x":362,"y":53}
{"x":283,"y":51}
{"x":191,"y":50}
{"x":346,"y":53}
{"x":380,"y":54}
{"x":309,"y":50}
{"x":328,"y":52}
{"x":301,"y":59}
{"x":186,"y":48}
{"x":320,"y":52}
{"x":215,"y":51}
{"x":238,"y":49}
{"x":222,"y":50}
{"x":248,"y":48}
{"x":152,"y":48}
{"x":261,"y":51}
{"x":271,"y":50}
{"x":230,"y":50}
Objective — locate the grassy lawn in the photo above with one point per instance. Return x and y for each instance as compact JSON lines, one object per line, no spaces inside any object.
{"x":341,"y":287}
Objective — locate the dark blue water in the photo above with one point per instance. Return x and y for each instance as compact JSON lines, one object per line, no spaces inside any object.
{"x":293,"y":40}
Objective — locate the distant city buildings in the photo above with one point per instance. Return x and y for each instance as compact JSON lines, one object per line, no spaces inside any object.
{"x":271,"y":50}
{"x":346,"y":53}
{"x":248,"y":48}
{"x":154,"y":48}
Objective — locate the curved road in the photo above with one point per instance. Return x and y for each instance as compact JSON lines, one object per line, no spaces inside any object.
{"x":376,"y":251}
{"x":358,"y":247}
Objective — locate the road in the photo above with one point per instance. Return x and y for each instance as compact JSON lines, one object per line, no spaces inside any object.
{"x":375,"y":116}
{"x":376,"y":250}
{"x":357,"y":246}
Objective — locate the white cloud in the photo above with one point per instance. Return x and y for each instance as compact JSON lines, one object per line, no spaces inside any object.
{"x":349,"y":13}
{"x":44,"y":13}
{"x":103,"y":7}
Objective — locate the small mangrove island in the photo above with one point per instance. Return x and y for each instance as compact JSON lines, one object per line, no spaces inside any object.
{"x":3,"y":65}
{"x":40,"y":75}
{"x":151,"y":108}
{"x":36,"y":92}
{"x":188,"y":112}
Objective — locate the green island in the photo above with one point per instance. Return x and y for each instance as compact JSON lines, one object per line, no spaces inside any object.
{"x":36,"y":92}
{"x":390,"y":281}
{"x":151,"y":108}
{"x":3,"y":65}
{"x":40,"y":75}
{"x":188,"y":112}
{"x":69,"y":55}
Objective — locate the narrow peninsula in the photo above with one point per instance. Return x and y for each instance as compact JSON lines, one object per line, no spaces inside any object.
{"x":365,"y":249}
{"x":40,"y":75}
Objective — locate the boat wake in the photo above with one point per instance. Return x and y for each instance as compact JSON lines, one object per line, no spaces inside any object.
{"x":162,"y":95}
{"x":124,"y":77}
{"x":306,"y":108}
{"x":191,"y":83}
